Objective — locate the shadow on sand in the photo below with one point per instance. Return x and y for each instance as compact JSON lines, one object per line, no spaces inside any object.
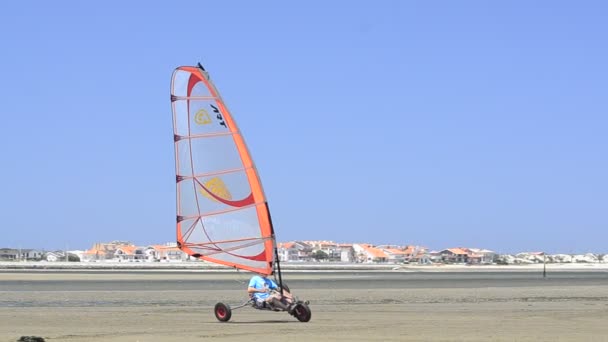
{"x":258,"y":322}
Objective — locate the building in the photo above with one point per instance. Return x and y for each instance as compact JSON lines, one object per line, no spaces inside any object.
{"x":394,"y":254}
{"x":454,"y":256}
{"x":129,"y":253}
{"x":295,"y":251}
{"x":481,"y":256}
{"x":421,"y":258}
{"x":55,"y":256}
{"x":328,"y":247}
{"x":287,"y":251}
{"x":9,"y":254}
{"x":347,"y":252}
{"x":103,"y":251}
{"x":19,"y":254}
{"x":368,"y":254}
{"x":167,"y":252}
{"x":31,"y":254}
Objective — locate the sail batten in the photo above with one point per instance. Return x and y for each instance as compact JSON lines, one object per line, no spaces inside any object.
{"x":208,"y":135}
{"x":222,"y":172}
{"x":221,"y":207}
{"x":212,"y":213}
{"x":178,"y":98}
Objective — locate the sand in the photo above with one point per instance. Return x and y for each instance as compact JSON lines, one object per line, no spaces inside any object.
{"x":156,"y":306}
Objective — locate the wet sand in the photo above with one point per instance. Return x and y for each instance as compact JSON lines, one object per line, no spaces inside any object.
{"x":357,"y":306}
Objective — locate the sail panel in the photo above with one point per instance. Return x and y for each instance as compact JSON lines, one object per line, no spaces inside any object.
{"x":213,"y":194}
{"x":221,"y":207}
{"x":233,"y":229}
{"x":183,"y":80}
{"x":228,"y":239}
{"x":220,"y":155}
{"x":205,"y":118}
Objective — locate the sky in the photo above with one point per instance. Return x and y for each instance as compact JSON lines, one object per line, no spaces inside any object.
{"x":435,"y":123}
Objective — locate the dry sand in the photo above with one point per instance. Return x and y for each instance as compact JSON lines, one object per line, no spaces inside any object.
{"x":178,"y":307}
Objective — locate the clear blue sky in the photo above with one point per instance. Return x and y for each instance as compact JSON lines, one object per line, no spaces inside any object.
{"x":439,"y":123}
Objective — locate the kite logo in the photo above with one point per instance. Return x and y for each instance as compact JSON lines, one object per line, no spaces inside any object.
{"x":217,"y":187}
{"x":202,"y":117}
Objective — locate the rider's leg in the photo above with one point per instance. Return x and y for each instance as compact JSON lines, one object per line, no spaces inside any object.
{"x":275,"y":300}
{"x":288,"y":296}
{"x":278,"y":304}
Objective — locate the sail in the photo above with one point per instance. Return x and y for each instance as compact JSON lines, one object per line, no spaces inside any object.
{"x":222,"y":214}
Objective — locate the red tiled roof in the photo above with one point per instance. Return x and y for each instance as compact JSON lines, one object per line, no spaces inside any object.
{"x":410,"y":250}
{"x":158,"y":247}
{"x":170,"y":249}
{"x":375,"y":252}
{"x":459,"y":251}
{"x":286,"y":245}
{"x":94,"y":251}
{"x":127,"y":249}
{"x":396,"y":251}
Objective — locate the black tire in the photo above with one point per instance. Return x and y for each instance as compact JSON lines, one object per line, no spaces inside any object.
{"x":222,"y":312}
{"x":302,"y":312}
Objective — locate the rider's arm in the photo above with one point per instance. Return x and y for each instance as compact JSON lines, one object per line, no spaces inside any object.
{"x":254,"y":290}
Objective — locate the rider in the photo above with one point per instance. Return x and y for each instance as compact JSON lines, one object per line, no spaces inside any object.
{"x":260,"y":286}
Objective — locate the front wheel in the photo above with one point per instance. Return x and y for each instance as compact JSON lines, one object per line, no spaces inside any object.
{"x":302,"y":312}
{"x":222,"y":312}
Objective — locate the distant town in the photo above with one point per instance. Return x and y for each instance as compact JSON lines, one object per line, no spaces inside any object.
{"x":304,"y":251}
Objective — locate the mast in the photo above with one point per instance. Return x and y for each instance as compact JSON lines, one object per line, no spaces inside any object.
{"x":276,"y":253}
{"x":276,"y":250}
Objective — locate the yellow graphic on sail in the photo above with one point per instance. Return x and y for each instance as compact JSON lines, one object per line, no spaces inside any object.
{"x":202,"y":117}
{"x":218,"y":188}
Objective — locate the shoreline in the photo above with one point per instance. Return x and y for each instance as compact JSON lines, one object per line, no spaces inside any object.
{"x":298,"y":267}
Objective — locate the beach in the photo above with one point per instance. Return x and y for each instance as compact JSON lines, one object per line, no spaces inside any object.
{"x":352,"y":305}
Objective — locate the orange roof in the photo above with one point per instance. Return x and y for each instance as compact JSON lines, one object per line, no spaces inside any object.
{"x":169,"y":249}
{"x":320,"y":243}
{"x":162,"y":248}
{"x":410,"y":250}
{"x":375,"y":252}
{"x":395,"y":251}
{"x":127,"y":249}
{"x":457,"y":251}
{"x":157,"y":247}
{"x":94,"y":251}
{"x":286,"y":244}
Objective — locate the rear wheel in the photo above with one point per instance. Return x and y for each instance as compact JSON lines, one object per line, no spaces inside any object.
{"x":302,"y":312}
{"x":222,"y":312}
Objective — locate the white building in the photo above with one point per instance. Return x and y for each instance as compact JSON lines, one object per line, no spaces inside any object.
{"x":368,"y":254}
{"x":55,"y":256}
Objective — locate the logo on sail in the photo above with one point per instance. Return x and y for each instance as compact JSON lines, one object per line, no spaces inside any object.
{"x":202,"y":117}
{"x":216,"y":186}
{"x":219,"y":115}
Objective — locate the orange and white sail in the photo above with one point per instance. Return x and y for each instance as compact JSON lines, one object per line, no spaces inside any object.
{"x":222,"y":214}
